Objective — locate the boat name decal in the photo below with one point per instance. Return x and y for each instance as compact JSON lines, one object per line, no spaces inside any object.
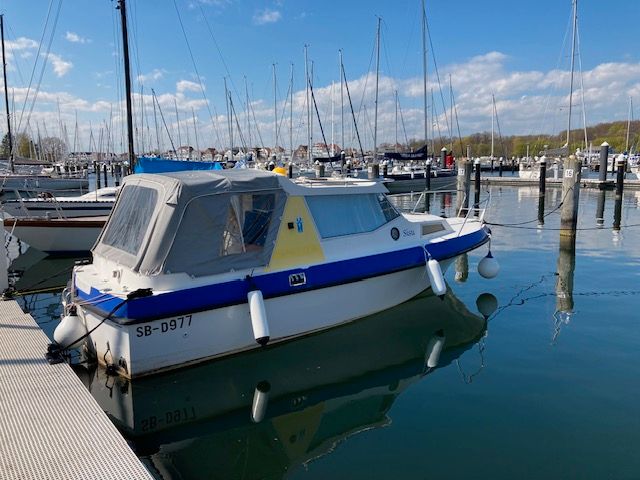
{"x":165,"y":326}
{"x":408,"y":233}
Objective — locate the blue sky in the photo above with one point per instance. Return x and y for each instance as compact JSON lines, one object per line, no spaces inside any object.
{"x":513,"y":49}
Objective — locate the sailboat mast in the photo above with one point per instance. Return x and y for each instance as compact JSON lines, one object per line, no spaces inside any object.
{"x":127,"y":81}
{"x":424,"y":72}
{"x":573,"y":59}
{"x":375,"y":118}
{"x":341,"y":104}
{"x":275,"y":109}
{"x":332,"y":110}
{"x":246,"y":92}
{"x":291,"y":114}
{"x":493,"y":119}
{"x":6,"y":96}
{"x":396,"y":143}
{"x":306,"y":77}
{"x":629,"y":123}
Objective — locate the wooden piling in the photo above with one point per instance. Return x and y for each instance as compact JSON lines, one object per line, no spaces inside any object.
{"x":543,"y":176}
{"x":476,"y":200}
{"x":427,"y":175}
{"x":570,"y":196}
{"x":464,"y":186}
{"x":602,"y":163}
{"x":104,"y":171}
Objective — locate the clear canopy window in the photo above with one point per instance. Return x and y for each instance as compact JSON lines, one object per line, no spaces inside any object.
{"x":220,"y":233}
{"x":338,"y":215}
{"x":131,"y":218}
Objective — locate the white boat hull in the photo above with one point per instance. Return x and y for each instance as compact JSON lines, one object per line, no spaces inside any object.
{"x":56,"y":236}
{"x":144,"y":348}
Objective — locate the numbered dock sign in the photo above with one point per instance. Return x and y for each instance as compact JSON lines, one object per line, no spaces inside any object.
{"x":568,"y":173}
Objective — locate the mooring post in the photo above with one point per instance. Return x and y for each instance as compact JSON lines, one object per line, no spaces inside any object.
{"x":104,"y":171}
{"x":617,"y":211}
{"x":464,"y":186}
{"x":570,"y":196}
{"x":427,"y":175}
{"x":620,"y":165}
{"x":385,"y":169}
{"x":500,"y":167}
{"x":373,"y":171}
{"x":476,"y":200}
{"x":96,"y":170}
{"x":342,"y":158}
{"x":543,"y":175}
{"x":443,"y":157}
{"x":513,"y":166}
{"x":541,"y":210}
{"x":320,"y":170}
{"x":600,"y":209}
{"x":117,"y":174}
{"x":602,"y":164}
{"x":290,"y":169}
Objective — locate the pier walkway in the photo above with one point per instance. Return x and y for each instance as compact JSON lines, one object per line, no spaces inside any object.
{"x":50,"y":426}
{"x":514,"y":181}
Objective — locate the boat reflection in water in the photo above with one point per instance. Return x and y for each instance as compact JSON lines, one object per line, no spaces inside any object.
{"x":257,"y":415}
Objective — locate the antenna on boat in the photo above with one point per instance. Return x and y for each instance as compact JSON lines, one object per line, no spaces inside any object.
{"x":127,"y":81}
{"x":6,"y":96}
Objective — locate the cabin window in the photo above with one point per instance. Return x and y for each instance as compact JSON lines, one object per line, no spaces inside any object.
{"x":338,"y":215}
{"x":131,"y":218}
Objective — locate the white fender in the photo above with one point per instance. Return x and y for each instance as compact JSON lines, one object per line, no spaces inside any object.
{"x":260,"y":402}
{"x":258,"y":317}
{"x":434,"y":349}
{"x":436,"y":278}
{"x":70,"y":329}
{"x":488,"y":266}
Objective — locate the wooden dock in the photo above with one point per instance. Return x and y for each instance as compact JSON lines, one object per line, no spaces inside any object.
{"x":50,"y":426}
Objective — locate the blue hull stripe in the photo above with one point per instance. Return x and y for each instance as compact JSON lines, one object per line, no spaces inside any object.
{"x":277,"y":284}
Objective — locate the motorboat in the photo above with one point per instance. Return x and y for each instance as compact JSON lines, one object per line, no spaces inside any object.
{"x":98,"y":202}
{"x":196,"y":265}
{"x":57,"y":236}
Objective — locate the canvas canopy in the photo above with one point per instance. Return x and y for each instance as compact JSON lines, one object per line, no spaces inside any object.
{"x":197,"y":222}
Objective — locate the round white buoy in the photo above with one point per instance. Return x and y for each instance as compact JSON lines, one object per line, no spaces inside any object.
{"x":70,"y":329}
{"x":436,"y":278}
{"x":487,"y":304}
{"x":258,"y":317}
{"x":488,"y":266}
{"x":434,"y":349}
{"x":260,"y":402}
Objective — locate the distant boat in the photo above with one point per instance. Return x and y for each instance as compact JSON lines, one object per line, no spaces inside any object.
{"x":45,"y":205}
{"x":57,"y":236}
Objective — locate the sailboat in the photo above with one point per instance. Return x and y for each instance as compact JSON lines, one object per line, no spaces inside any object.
{"x":11,"y":182}
{"x":412,"y":177}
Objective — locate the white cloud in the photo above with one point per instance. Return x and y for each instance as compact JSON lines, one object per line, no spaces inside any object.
{"x":60,"y":67}
{"x":265,"y":16}
{"x":187,"y":86}
{"x":75,"y":38}
{"x":155,"y":74}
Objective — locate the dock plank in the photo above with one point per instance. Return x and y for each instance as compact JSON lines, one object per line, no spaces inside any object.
{"x":50,"y":426}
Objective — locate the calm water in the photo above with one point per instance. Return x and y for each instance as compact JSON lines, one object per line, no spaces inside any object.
{"x":547,"y":387}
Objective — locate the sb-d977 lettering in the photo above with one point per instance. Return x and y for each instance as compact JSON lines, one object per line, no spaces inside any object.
{"x":164,"y":326}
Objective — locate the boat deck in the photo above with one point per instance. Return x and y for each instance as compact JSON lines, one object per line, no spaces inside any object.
{"x":50,"y":425}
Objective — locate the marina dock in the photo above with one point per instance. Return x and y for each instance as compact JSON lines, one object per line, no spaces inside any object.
{"x":513,"y":181}
{"x":51,"y":426}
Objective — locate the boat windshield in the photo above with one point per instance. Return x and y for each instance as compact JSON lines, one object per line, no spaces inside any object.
{"x":339,"y":215}
{"x":131,"y":218}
